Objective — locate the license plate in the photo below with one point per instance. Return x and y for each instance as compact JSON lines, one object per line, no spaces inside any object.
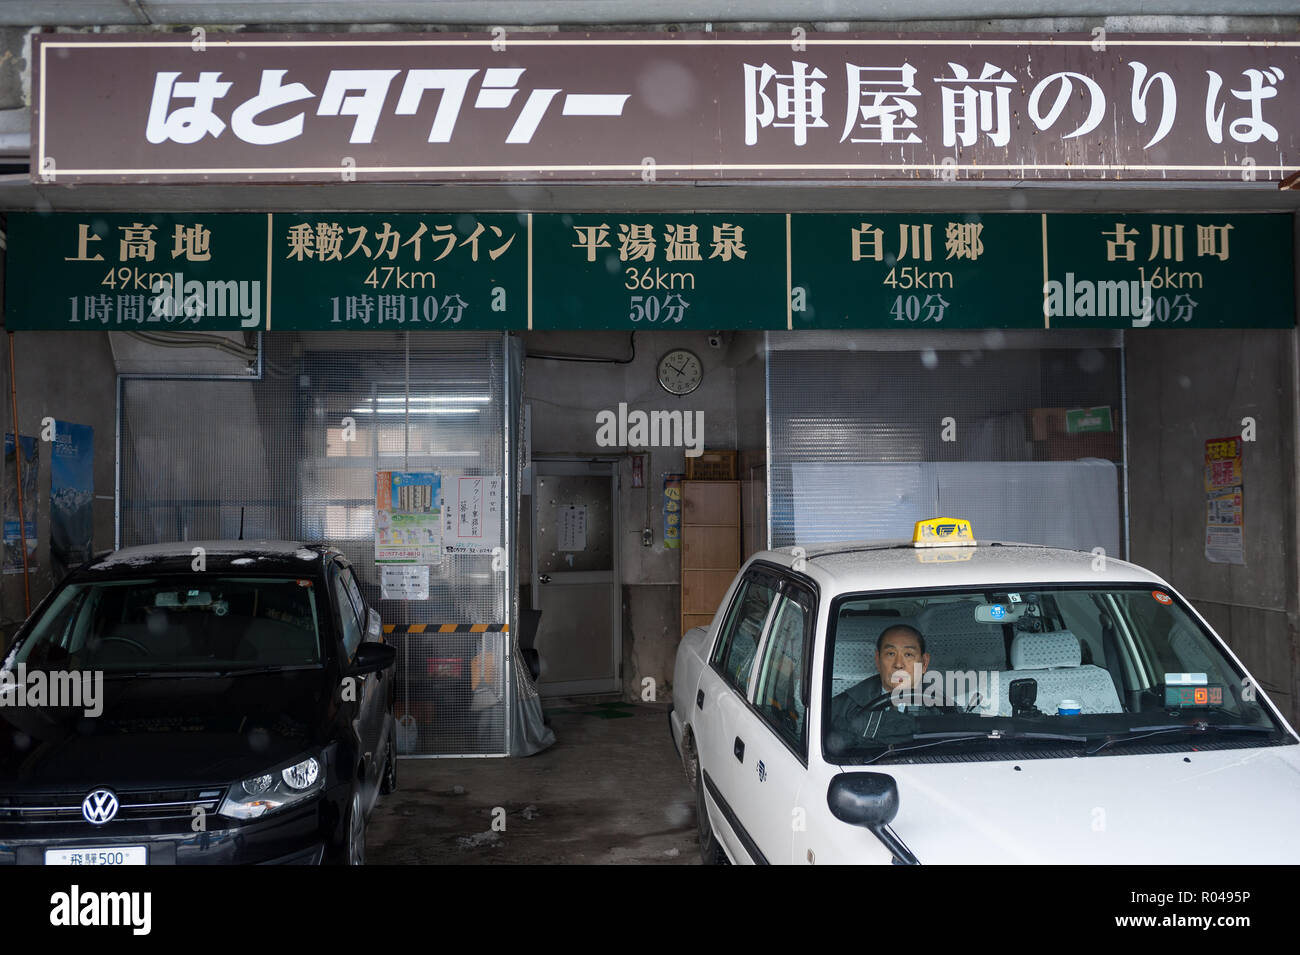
{"x":114,"y":855}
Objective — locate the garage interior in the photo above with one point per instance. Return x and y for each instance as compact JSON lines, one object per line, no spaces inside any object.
{"x":273,"y":452}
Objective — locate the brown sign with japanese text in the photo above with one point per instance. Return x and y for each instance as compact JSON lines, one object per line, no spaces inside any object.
{"x":646,"y":107}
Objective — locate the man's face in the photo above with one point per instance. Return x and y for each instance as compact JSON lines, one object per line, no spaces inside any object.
{"x":900,"y":659}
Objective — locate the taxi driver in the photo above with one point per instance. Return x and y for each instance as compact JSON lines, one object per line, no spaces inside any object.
{"x":900,"y":661}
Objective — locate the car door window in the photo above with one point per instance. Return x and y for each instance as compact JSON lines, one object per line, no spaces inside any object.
{"x":354,"y":592}
{"x":734,"y":656}
{"x":779,"y":695}
{"x":351,"y":625}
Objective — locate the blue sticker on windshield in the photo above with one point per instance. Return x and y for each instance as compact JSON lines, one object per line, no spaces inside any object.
{"x":997,"y":611}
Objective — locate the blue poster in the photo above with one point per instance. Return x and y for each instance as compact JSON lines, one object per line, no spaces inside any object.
{"x":72,"y":495}
{"x":408,"y":517}
{"x":13,"y":550}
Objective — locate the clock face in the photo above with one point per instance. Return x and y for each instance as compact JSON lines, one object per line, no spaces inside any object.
{"x":680,"y":372}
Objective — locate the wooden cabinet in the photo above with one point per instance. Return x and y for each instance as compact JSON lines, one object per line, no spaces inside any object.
{"x":711,"y":552}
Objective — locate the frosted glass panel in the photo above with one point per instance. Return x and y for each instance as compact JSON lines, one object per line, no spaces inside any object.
{"x":1072,"y":504}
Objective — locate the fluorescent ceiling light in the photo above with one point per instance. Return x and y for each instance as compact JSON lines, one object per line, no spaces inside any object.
{"x":447,"y":399}
{"x":417,"y":410}
{"x":429,"y":454}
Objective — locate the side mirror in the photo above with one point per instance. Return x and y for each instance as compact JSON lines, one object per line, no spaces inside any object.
{"x":373,"y":657}
{"x":374,"y":626}
{"x":869,"y":800}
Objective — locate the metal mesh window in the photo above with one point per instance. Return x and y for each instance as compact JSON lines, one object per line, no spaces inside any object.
{"x":864,"y":442}
{"x":298,"y":451}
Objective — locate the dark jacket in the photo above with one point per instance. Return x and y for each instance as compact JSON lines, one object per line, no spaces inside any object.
{"x":850,"y":717}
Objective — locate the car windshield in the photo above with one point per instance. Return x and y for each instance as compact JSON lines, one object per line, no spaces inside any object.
{"x":176,"y":623}
{"x":1087,"y":670}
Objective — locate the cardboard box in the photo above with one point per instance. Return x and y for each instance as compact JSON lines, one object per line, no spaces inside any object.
{"x":1045,"y":422}
{"x":1071,"y":447}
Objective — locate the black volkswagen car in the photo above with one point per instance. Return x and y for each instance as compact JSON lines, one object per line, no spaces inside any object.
{"x":201,"y":702}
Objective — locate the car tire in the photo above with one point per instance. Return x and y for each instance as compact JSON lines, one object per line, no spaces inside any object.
{"x":356,"y":845}
{"x":710,"y":850}
{"x":388,"y":782}
{"x":690,"y":759}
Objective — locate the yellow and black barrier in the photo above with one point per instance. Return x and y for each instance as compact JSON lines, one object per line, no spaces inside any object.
{"x":418,"y":628}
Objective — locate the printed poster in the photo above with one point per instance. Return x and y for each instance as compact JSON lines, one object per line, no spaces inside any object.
{"x":72,"y":495}
{"x":404,"y":581}
{"x":1224,"y":494}
{"x":472,"y":515}
{"x":573,"y":527}
{"x":13,"y":557}
{"x":408,"y":517}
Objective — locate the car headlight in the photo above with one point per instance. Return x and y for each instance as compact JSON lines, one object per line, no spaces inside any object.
{"x":266,"y":793}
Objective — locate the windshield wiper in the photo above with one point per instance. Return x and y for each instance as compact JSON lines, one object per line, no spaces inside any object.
{"x":938,"y":739}
{"x":149,"y":674}
{"x":1003,"y":734}
{"x":1199,"y":726}
{"x":209,"y":674}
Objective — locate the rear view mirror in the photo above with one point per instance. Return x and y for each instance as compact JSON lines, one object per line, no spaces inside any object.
{"x":870,"y":800}
{"x":182,"y":598}
{"x":1000,"y":613}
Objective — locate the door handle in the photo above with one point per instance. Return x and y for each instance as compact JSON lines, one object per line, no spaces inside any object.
{"x":739,"y":749}
{"x":699,"y":699}
{"x":544,"y":578}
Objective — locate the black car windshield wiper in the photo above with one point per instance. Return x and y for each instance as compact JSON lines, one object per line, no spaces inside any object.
{"x":938,"y":739}
{"x":213,"y":673}
{"x":139,"y":674}
{"x":1198,"y":726}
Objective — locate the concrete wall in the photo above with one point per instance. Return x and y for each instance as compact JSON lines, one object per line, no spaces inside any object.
{"x":565,"y":398}
{"x":1185,"y":387}
{"x":68,"y":376}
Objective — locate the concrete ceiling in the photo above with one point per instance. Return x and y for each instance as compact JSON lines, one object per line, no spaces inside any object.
{"x":528,"y":12}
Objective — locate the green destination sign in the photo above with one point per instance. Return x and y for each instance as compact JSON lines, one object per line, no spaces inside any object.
{"x":630,"y":271}
{"x":314,"y":270}
{"x":915,"y":271}
{"x":1203,"y":270}
{"x":177,"y":272}
{"x":399,"y":271}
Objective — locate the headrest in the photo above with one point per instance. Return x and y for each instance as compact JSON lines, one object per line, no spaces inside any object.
{"x":867,"y":628}
{"x":1043,"y":651}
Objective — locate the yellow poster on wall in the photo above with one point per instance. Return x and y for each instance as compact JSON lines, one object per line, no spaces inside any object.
{"x":1224,"y":494}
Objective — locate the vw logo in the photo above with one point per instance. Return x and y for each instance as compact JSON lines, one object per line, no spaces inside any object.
{"x":99,"y":807}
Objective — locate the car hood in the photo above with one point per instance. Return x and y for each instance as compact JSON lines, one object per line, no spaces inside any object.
{"x":1222,"y":806}
{"x":167,"y":731}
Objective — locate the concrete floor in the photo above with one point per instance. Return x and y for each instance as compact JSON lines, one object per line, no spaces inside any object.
{"x":611,"y":790}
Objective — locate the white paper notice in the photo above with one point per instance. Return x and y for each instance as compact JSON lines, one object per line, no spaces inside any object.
{"x":472,"y":515}
{"x":573,"y":527}
{"x":404,"y":581}
{"x":1223,"y":544}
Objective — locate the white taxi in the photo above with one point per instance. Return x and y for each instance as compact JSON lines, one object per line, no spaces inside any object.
{"x":951,"y":701}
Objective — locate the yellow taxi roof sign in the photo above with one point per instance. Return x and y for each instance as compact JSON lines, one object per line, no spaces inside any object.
{"x":943,"y":532}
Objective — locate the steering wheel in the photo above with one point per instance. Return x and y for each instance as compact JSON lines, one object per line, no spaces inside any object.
{"x":886,"y":699}
{"x":912,"y":697}
{"x":143,"y":649}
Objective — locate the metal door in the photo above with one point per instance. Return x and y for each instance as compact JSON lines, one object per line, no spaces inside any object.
{"x":576,"y":582}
